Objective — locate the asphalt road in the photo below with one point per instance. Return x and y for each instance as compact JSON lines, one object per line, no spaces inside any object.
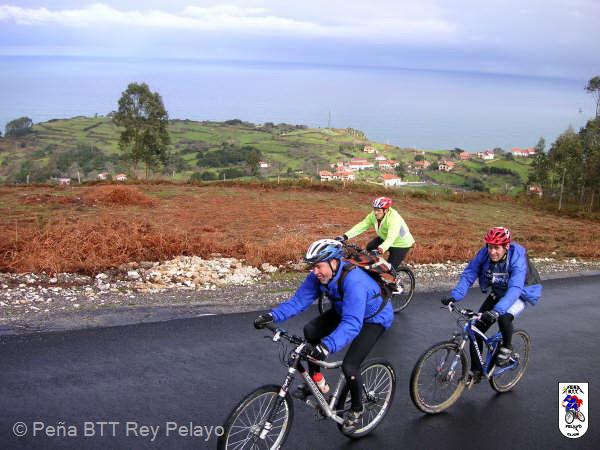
{"x":171,"y":374}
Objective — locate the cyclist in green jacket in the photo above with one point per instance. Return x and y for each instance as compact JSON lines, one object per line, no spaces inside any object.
{"x":392,"y":231}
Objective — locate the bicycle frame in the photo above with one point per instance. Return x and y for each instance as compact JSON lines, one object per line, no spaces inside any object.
{"x":293,"y":364}
{"x":469,"y":333}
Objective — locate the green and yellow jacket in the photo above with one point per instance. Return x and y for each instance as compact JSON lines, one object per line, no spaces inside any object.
{"x":392,"y":229}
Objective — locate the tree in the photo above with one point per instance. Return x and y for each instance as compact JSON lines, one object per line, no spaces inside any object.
{"x":19,"y":127}
{"x":252,"y":160}
{"x":540,"y":147}
{"x":145,"y":137}
{"x":593,"y":87}
{"x":401,"y":169}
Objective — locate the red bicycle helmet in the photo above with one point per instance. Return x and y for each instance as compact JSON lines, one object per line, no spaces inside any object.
{"x":382,"y":202}
{"x":497,"y":236}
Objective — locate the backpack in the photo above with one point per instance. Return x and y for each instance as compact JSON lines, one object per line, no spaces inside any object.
{"x":376,"y":267}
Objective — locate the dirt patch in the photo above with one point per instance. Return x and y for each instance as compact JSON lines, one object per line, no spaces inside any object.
{"x":118,"y":196}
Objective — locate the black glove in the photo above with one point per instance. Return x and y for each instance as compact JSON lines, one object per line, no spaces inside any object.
{"x":342,"y":238}
{"x":447,"y":300}
{"x":319,"y":351}
{"x":263,"y":320}
{"x":489,"y":317}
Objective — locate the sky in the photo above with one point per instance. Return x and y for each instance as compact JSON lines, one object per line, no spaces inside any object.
{"x":553,"y":38}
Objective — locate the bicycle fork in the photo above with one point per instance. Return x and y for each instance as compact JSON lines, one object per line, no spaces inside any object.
{"x":455,"y":360}
{"x":285,"y":387}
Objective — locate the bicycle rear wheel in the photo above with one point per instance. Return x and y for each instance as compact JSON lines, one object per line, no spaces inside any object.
{"x":405,"y":288}
{"x":434,"y":384}
{"x":245,"y":423}
{"x":508,"y":378}
{"x":379,"y":386}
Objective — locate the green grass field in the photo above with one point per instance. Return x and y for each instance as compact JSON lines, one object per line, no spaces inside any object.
{"x":283,"y":147}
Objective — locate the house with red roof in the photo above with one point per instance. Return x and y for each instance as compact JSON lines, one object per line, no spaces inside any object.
{"x":390,"y":180}
{"x":446,"y":166}
{"x":360,"y":164}
{"x":523,"y":152}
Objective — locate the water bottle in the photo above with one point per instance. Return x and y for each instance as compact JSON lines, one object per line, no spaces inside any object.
{"x":321,"y":383}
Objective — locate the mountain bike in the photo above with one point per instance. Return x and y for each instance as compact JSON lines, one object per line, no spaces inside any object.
{"x":400,"y":280}
{"x":440,"y":375}
{"x":571,"y":414}
{"x":263,"y":419}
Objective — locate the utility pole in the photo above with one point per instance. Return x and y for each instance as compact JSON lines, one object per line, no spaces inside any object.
{"x":329,"y":120}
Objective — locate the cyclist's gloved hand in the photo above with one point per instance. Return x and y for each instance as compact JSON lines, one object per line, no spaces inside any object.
{"x":342,"y":238}
{"x":489,"y":317}
{"x":319,"y":351}
{"x":263,"y":320}
{"x":447,"y":300}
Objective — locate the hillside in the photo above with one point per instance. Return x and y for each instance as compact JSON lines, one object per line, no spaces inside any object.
{"x":91,"y":228}
{"x":86,"y":146}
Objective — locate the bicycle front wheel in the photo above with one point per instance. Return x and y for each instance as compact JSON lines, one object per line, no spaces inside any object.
{"x":378,"y":389}
{"x":405,"y":288}
{"x":244,"y":425}
{"x":438,"y":378}
{"x":580,"y":416}
{"x":508,"y":378}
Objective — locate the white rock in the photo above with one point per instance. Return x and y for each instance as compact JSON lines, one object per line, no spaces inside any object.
{"x":133,"y":275}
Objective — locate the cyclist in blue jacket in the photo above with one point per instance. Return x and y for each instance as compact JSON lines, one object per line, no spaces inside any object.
{"x":358,"y":317}
{"x":505,"y":268}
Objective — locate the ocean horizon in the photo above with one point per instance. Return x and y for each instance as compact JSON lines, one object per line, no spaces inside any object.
{"x":416,"y":108}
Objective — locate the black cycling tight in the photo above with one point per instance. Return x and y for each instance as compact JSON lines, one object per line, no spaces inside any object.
{"x":321,"y":326}
{"x":505,"y":324}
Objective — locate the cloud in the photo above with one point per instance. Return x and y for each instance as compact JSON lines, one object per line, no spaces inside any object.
{"x":412,"y":24}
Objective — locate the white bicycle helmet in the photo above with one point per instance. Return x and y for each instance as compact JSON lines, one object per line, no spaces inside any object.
{"x":323,"y":250}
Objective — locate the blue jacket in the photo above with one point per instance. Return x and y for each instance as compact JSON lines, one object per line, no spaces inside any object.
{"x":362,"y":298}
{"x":507,"y":278}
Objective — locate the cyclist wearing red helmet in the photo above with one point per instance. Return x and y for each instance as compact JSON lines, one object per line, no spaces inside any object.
{"x":504,"y":267}
{"x":392,"y":232}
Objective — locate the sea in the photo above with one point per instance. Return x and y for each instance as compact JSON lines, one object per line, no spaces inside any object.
{"x":424,"y":109}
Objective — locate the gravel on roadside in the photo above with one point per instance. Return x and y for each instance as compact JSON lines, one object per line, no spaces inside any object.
{"x":184,"y":287}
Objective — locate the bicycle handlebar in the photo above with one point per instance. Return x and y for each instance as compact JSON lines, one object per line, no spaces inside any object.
{"x":296,"y":340}
{"x":468,"y":314}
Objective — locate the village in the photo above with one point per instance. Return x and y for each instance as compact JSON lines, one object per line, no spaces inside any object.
{"x":346,"y":170}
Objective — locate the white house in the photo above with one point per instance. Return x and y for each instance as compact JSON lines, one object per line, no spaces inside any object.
{"x":391,"y":180}
{"x":263,"y":165}
{"x":121,"y":177}
{"x":360,"y":164}
{"x":488,"y":154}
{"x":369,"y":149}
{"x":325,"y":175}
{"x":380,"y":158}
{"x":64,"y":181}
{"x":103,"y":176}
{"x":445,"y":166}
{"x":387,"y":164}
{"x":524,"y":152}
